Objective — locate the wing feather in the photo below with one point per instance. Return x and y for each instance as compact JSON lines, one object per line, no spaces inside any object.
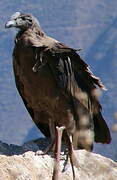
{"x":74,"y":77}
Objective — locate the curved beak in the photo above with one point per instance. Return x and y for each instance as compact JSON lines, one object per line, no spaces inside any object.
{"x":10,"y":23}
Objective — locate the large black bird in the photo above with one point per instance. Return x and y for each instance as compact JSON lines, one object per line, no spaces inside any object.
{"x":56,"y":85}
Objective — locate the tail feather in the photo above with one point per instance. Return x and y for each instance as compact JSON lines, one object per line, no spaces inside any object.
{"x":102,"y":133}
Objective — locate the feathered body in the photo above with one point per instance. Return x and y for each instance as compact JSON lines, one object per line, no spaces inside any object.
{"x":57,"y":87}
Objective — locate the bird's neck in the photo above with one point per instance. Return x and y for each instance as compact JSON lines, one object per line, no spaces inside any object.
{"x":38,"y":30}
{"x":35,"y":28}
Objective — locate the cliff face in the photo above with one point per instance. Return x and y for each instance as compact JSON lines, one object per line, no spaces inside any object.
{"x":21,"y":163}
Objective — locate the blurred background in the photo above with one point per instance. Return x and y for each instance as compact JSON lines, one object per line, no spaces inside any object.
{"x":87,"y":24}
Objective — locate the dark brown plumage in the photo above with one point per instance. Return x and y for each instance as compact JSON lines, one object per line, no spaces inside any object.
{"x":56,"y":85}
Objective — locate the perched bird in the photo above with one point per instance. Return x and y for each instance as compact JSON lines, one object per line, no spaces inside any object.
{"x":57,"y":86}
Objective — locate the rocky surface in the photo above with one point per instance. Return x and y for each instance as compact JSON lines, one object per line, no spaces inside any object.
{"x":21,"y":163}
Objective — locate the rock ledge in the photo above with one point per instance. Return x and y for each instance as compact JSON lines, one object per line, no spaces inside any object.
{"x":21,"y":163}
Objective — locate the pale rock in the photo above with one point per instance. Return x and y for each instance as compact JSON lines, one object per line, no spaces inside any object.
{"x":21,"y":163}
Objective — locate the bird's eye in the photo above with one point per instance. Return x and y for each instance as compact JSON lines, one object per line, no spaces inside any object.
{"x":23,"y":18}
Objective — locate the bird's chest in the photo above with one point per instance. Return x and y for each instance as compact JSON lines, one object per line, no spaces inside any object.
{"x":38,"y":88}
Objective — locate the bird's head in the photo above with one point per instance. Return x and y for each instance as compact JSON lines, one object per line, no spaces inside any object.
{"x":21,"y":21}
